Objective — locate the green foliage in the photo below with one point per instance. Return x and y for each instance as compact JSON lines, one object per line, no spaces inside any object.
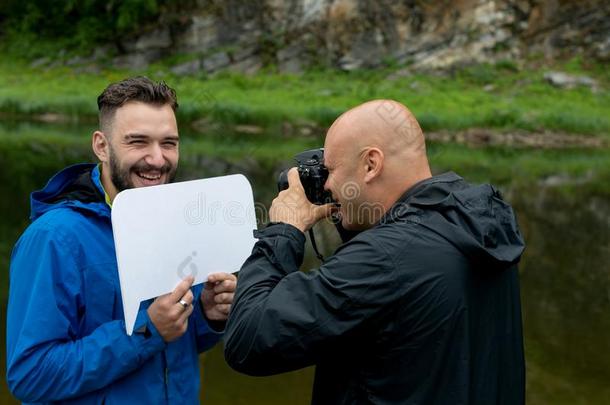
{"x":132,"y":12}
{"x":479,"y":74}
{"x":36,"y":28}
{"x":507,"y":65}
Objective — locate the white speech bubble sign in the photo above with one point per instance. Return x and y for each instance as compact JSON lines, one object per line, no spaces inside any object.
{"x":164,"y":233}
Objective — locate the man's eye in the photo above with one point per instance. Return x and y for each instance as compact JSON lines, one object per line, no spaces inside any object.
{"x":137,"y":142}
{"x":170,"y":144}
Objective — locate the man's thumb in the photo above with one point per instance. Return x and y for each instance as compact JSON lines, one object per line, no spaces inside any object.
{"x":324,"y":211}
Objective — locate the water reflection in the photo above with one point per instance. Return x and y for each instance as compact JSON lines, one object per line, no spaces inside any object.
{"x":565,"y":283}
{"x":565,"y":277}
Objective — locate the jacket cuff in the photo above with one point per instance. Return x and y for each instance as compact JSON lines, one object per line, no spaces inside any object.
{"x":283,"y":244}
{"x":144,"y":327}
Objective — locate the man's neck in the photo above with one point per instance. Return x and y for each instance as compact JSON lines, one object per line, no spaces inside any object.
{"x":393,"y":191}
{"x":107,"y":183}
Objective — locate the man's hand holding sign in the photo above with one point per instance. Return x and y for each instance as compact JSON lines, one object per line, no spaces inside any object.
{"x":170,"y":312}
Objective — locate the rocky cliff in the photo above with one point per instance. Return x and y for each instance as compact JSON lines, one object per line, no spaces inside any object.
{"x":349,"y":34}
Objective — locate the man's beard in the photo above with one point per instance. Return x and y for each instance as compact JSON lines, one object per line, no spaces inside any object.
{"x":121,"y":177}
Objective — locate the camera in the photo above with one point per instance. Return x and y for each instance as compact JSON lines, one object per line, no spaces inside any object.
{"x":313,"y":175}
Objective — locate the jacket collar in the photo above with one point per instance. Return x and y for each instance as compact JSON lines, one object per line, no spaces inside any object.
{"x":416,"y":194}
{"x":76,"y":186}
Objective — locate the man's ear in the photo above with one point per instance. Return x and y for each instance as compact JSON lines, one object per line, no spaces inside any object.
{"x":373,"y":164}
{"x":100,"y":146}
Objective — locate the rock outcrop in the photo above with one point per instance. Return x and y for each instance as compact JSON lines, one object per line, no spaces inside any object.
{"x":350,"y":34}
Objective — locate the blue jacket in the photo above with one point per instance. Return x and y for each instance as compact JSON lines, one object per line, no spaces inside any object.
{"x":66,"y":340}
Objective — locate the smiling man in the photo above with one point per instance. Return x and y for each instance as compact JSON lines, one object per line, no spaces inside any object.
{"x":66,"y":340}
{"x":145,"y":150}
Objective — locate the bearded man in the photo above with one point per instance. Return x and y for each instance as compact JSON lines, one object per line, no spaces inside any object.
{"x":66,"y":339}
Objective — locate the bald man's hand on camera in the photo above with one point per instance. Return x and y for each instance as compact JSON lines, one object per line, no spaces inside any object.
{"x":170,"y":312}
{"x":291,"y":206}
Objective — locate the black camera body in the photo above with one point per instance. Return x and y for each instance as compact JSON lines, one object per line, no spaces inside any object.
{"x":313,"y":175}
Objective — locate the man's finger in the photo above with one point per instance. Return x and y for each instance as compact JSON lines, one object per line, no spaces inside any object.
{"x":182,"y":288}
{"x":224,"y":298}
{"x":184,"y":316}
{"x":324,"y":211}
{"x":214,"y":277}
{"x":223,"y":308}
{"x":225,"y":286}
{"x":188,"y":298}
{"x":293,"y":178}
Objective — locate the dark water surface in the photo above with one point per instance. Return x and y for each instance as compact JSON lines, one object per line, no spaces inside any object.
{"x":565,"y":274}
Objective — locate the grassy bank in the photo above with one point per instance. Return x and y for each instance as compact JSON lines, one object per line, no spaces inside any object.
{"x":500,"y":96}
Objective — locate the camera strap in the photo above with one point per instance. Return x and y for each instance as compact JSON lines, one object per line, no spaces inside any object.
{"x":315,"y":247}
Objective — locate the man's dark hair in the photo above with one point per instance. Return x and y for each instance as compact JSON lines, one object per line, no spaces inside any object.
{"x":138,"y":88}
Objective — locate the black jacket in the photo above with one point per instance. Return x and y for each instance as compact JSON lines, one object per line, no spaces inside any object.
{"x":423,"y":308}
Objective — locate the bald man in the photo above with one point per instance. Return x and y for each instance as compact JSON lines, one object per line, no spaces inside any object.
{"x":420,"y":307}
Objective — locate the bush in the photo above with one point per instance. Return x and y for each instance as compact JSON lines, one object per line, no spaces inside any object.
{"x":35,"y":27}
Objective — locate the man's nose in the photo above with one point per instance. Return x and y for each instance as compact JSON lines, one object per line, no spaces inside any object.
{"x":155,"y":156}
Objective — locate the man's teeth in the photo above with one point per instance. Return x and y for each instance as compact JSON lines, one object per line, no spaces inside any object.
{"x":150,"y":176}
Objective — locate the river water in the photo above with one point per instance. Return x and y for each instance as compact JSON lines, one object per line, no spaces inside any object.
{"x":565,"y":272}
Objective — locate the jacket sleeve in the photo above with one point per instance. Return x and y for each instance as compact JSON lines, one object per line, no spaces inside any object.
{"x":283,"y":319}
{"x":47,"y":359}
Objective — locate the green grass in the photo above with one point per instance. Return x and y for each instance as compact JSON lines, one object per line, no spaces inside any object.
{"x":520,"y":99}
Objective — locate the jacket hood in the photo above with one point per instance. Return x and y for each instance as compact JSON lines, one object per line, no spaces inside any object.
{"x":474,"y":218}
{"x":76,"y":186}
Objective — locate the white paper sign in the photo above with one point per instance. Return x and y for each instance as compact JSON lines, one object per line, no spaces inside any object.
{"x":164,"y":233}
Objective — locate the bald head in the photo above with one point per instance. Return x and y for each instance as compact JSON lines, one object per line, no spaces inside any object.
{"x":376,"y":151}
{"x":384,"y":124}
